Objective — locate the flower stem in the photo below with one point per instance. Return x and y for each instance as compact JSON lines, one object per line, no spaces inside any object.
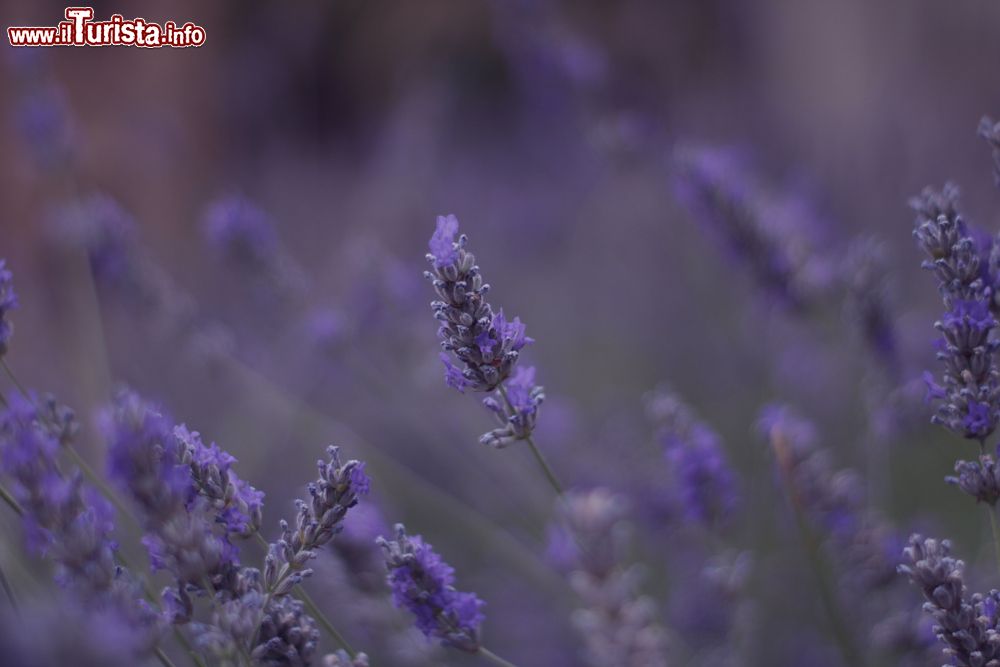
{"x":11,"y":502}
{"x":992,"y":511}
{"x":163,"y":657}
{"x":549,"y":474}
{"x":9,"y":590}
{"x":494,"y":658}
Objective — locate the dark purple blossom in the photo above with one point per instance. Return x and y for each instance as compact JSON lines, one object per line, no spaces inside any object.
{"x":238,"y":505}
{"x":980,"y":479}
{"x":65,"y":519}
{"x":486,"y":343}
{"x":423,"y":583}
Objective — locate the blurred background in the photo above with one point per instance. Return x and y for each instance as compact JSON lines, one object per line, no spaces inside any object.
{"x":330,"y":134}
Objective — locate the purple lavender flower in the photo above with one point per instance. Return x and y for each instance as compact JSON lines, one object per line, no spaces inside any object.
{"x":767,"y":231}
{"x":966,"y":626}
{"x":980,"y":479}
{"x":240,"y":230}
{"x":8,"y":302}
{"x":424,"y":584}
{"x":237,"y":504}
{"x":618,"y":625}
{"x":64,"y":518}
{"x":868,"y":303}
{"x":517,"y":415}
{"x":338,"y":489}
{"x":968,"y":400}
{"x":486,"y":343}
{"x":704,"y":482}
{"x":183,"y":535}
{"x":99,"y":226}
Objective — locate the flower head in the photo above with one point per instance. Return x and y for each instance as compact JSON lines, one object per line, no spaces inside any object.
{"x":8,"y":302}
{"x":423,"y":583}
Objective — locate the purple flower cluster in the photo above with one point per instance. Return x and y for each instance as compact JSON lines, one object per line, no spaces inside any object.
{"x":423,"y":583}
{"x":338,"y":489}
{"x":64,"y":518}
{"x":966,"y":626}
{"x":183,"y":535}
{"x":237,"y":228}
{"x":770,"y":232}
{"x":968,"y":399}
{"x":8,"y":302}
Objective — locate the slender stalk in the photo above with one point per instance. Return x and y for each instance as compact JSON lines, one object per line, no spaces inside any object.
{"x":494,"y":658}
{"x":9,"y":590}
{"x":992,"y":511}
{"x":549,"y":474}
{"x":163,"y":657}
{"x":11,"y":501}
{"x":13,"y":378}
{"x":323,"y":620}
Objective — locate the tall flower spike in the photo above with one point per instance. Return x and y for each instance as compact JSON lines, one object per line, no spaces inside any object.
{"x":767,"y":231}
{"x":485,"y":344}
{"x":338,"y":489}
{"x":424,"y":584}
{"x":966,"y":627}
{"x":64,"y":518}
{"x":8,"y":302}
{"x":968,"y":400}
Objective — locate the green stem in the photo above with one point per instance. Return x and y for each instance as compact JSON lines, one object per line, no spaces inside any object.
{"x":13,"y":378}
{"x":494,"y":658}
{"x":828,"y":598}
{"x":9,"y":590}
{"x":992,"y":511}
{"x":163,"y":657}
{"x":549,"y":474}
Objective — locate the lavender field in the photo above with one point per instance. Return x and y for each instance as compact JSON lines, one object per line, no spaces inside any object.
{"x":503,"y":332}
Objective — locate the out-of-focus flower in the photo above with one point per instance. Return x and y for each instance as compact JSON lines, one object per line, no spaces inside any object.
{"x":8,"y":302}
{"x":618,"y":625}
{"x":773,"y":233}
{"x":423,"y":583}
{"x":703,"y":480}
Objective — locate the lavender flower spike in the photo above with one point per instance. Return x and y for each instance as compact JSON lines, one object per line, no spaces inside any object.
{"x":8,"y":302}
{"x":990,"y":131}
{"x":486,"y":344}
{"x":338,"y":489}
{"x":967,"y":627}
{"x":424,"y":584}
{"x":968,"y":400}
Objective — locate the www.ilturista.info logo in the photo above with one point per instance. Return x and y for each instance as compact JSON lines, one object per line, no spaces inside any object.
{"x":79,"y":29}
